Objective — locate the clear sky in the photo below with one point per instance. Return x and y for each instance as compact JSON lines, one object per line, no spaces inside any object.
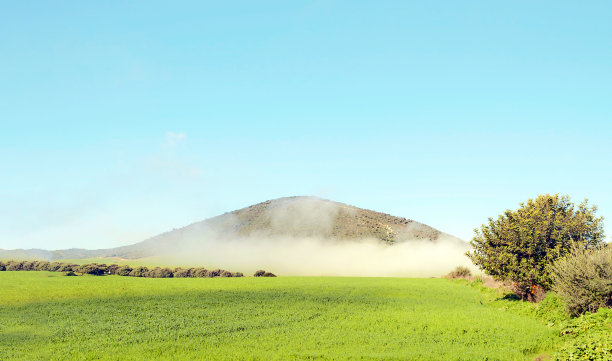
{"x":121,"y":120}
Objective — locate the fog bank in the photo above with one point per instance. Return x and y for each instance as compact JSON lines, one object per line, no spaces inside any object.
{"x":318,"y":257}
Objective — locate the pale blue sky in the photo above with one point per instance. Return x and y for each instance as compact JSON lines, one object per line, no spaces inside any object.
{"x":121,"y":121}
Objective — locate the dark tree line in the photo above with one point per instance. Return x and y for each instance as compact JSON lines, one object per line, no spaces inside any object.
{"x":114,"y":269}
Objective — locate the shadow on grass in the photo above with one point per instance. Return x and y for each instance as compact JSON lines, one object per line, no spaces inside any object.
{"x":510,"y":297}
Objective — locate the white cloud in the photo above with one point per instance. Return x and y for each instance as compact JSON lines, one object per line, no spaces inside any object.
{"x":173,"y":138}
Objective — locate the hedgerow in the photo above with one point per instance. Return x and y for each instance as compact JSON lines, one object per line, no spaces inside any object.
{"x":114,"y":269}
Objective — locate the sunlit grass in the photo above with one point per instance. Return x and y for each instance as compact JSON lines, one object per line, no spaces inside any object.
{"x":48,"y":316}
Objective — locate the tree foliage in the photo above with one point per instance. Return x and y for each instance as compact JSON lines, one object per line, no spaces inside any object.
{"x":522,"y":245}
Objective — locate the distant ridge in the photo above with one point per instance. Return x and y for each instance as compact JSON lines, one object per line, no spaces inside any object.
{"x":289,"y":217}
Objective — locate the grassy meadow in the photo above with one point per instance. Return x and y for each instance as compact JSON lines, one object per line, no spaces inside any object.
{"x":47,"y":316}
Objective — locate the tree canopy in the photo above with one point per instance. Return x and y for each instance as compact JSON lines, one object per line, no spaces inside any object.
{"x":521,"y":245}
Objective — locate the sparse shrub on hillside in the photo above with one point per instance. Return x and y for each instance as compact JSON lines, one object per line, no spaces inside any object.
{"x":259,"y":273}
{"x":521,"y":246}
{"x":460,"y":272}
{"x":238,"y":274}
{"x":70,"y":273}
{"x":226,"y":274}
{"x":584,"y":279}
{"x":268,"y":274}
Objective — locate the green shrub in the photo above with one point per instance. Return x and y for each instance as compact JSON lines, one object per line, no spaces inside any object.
{"x":584,"y":279}
{"x":124,"y":271}
{"x":214,"y":273}
{"x":54,"y":266}
{"x":139,"y":272}
{"x":200,"y":272}
{"x":40,"y":266}
{"x":226,"y":274}
{"x":588,"y":337}
{"x":520,"y":246}
{"x":459,"y":272}
{"x":14,"y":266}
{"x":268,"y":274}
{"x":259,"y":273}
{"x":113,"y":269}
{"x":28,"y":266}
{"x":159,"y":272}
{"x":181,"y":273}
{"x":92,"y":269}
{"x":67,"y":267}
{"x":552,"y":309}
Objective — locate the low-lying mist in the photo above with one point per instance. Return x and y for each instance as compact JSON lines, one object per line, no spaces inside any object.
{"x":318,"y":257}
{"x":311,"y":236}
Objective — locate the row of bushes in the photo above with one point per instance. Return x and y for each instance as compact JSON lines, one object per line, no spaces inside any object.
{"x":114,"y":269}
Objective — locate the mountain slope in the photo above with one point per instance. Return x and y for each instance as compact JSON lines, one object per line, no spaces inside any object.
{"x":283,"y":218}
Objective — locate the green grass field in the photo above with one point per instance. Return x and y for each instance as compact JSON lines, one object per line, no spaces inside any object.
{"x":47,"y":316}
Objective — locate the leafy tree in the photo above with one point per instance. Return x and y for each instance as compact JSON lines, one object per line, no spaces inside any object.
{"x":92,"y":269}
{"x":159,"y":272}
{"x":67,"y":267}
{"x":54,"y":266}
{"x":180,"y":272}
{"x":113,"y":269}
{"x":14,"y":266}
{"x":225,"y":273}
{"x":28,"y":266}
{"x":139,"y":271}
{"x":124,"y":271}
{"x":259,"y":273}
{"x":200,"y":272}
{"x":521,"y":246}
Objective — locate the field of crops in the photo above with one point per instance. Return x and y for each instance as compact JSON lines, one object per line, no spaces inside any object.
{"x":47,"y":316}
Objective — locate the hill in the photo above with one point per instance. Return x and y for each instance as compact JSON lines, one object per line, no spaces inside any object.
{"x":283,"y":218}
